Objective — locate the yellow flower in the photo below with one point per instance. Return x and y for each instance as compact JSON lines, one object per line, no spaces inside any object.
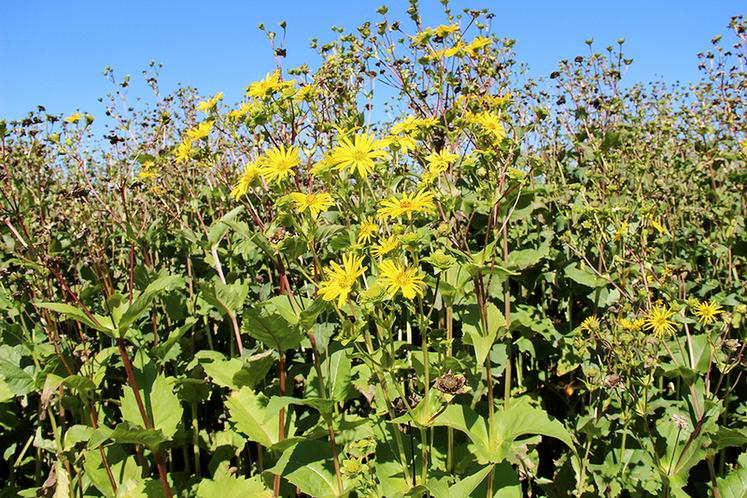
{"x":658,"y":320}
{"x":657,"y":226}
{"x":591,"y":324}
{"x":448,"y":52}
{"x":621,"y":232}
{"x":708,"y":311}
{"x":74,"y":118}
{"x":200,"y":131}
{"x":306,"y":92}
{"x":183,"y":151}
{"x":341,"y":279}
{"x":438,"y":162}
{"x":351,"y":466}
{"x":211,"y":103}
{"x":315,"y":203}
{"x":268,"y":86}
{"x":239,"y":113}
{"x":148,"y":171}
{"x":412,"y":124}
{"x":491,"y":123}
{"x":421,"y":202}
{"x":397,"y":277}
{"x":367,"y":229}
{"x":358,"y":154}
{"x":251,"y":173}
{"x":386,"y":245}
{"x":630,"y":325}
{"x":278,"y":163}
{"x":478,"y":43}
{"x":445,"y":29}
{"x":405,"y":143}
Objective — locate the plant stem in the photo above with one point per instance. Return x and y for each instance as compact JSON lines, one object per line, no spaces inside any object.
{"x":449,"y":430}
{"x":327,"y":418}
{"x":196,"y":439}
{"x":146,"y":420}
{"x":423,"y":457}
{"x":397,"y":436}
{"x":281,"y":418}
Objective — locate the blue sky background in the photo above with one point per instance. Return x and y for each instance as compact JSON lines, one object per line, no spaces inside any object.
{"x":54,"y":52}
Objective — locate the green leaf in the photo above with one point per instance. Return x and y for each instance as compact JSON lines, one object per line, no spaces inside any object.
{"x":276,"y":403}
{"x":727,"y":437}
{"x":221,"y":226}
{"x":466,"y":486}
{"x":76,"y":434}
{"x":162,"y":406}
{"x":126,"y":433}
{"x":336,"y":373}
{"x":18,"y":381}
{"x":475,"y":334}
{"x":523,"y":419}
{"x":227,"y":298}
{"x":524,"y":258}
{"x":72,"y":313}
{"x":308,"y":465}
{"x":735,"y":483}
{"x":466,"y":420}
{"x":584,"y":276}
{"x":250,"y":414}
{"x":143,"y":301}
{"x":235,"y":373}
{"x":225,"y":485}
{"x":272,"y":330}
{"x":163,"y":349}
{"x":123,"y":468}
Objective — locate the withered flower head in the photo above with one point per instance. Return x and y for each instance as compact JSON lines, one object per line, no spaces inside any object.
{"x":451,"y":383}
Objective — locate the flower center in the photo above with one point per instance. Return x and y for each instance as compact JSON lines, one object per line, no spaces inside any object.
{"x":359,"y":155}
{"x":401,"y":279}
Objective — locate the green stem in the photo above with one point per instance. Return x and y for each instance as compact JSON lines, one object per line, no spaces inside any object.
{"x":390,"y":410}
{"x":423,"y":457}
{"x":196,"y":439}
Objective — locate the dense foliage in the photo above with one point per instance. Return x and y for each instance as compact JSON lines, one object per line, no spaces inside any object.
{"x":412,"y":271}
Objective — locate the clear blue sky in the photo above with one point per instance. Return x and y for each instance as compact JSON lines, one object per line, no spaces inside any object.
{"x":53,"y":52}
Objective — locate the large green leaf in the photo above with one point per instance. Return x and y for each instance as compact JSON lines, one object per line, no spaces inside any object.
{"x":524,"y":258}
{"x":161,"y":405}
{"x":475,"y":332}
{"x":235,"y":373}
{"x":221,"y":226}
{"x":143,"y":301}
{"x":466,"y":420}
{"x":226,"y":485}
{"x":521,"y":419}
{"x":272,"y":330}
{"x":126,"y":433}
{"x":18,"y":380}
{"x":584,"y":276}
{"x":101,"y":323}
{"x":308,"y":465}
{"x":123,"y":466}
{"x":734,"y":485}
{"x":337,"y":379}
{"x":249,"y":413}
{"x":227,"y":298}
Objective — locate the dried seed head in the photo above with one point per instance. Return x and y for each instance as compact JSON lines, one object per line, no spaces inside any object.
{"x":612,"y":381}
{"x":680,"y":422}
{"x":451,"y":383}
